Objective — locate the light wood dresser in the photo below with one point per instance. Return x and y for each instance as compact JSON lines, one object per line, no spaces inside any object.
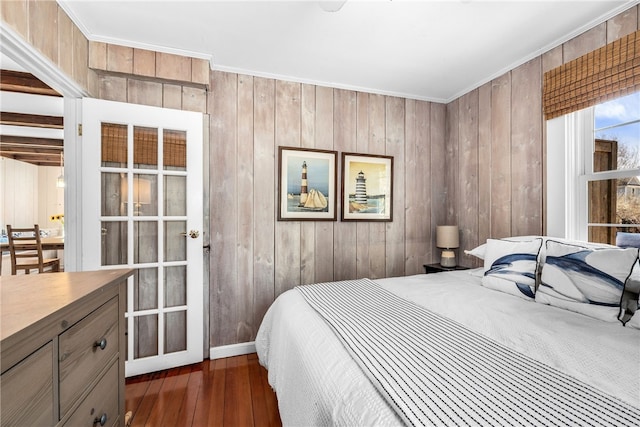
{"x":62,"y":349}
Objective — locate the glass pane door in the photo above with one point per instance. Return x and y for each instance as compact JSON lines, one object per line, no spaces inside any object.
{"x":150,"y":183}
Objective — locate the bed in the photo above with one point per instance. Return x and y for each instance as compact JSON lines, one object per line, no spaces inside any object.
{"x":321,"y":379}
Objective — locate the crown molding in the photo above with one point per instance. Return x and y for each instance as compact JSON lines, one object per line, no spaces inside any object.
{"x":328,"y":84}
{"x":128,"y":43}
{"x":147,"y":46}
{"x":580,"y":30}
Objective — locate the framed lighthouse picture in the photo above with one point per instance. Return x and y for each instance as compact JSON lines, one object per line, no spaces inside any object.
{"x":367,"y":187}
{"x":307,"y":184}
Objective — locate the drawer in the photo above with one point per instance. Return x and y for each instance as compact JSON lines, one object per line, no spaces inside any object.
{"x":26,"y":392}
{"x":81,"y":358}
{"x":102,"y":402}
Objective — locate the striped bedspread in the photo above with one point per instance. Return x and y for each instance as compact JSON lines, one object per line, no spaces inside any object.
{"x":434,"y":371}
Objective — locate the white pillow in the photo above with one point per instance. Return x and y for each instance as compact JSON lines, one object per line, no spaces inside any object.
{"x":511,"y":266}
{"x":477,"y":252}
{"x":480,"y":251}
{"x":585,"y":280}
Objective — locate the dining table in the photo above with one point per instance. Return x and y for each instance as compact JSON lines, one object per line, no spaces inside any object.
{"x":49,"y":243}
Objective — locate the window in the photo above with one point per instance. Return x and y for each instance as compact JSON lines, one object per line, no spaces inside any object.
{"x":593,"y":171}
{"x":614,"y":201}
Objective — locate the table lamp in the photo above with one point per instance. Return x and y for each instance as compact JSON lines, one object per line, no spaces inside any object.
{"x":141,"y":194}
{"x":447,"y":239}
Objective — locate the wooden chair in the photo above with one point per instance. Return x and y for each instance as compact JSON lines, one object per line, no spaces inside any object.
{"x":26,"y":251}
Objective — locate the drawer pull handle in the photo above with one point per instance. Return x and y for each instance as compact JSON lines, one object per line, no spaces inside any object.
{"x":102,"y":420}
{"x":102,"y":344}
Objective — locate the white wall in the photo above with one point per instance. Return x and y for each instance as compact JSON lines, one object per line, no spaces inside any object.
{"x":50,"y":198}
{"x":28,"y":195}
{"x":19,"y":193}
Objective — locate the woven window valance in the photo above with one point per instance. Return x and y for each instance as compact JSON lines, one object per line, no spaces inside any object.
{"x":606,"y":73}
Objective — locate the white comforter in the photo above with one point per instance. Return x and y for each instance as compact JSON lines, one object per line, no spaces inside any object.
{"x":317,"y":382}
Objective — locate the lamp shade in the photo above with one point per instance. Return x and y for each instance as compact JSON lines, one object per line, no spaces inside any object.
{"x":447,"y":236}
{"x":141,"y":191}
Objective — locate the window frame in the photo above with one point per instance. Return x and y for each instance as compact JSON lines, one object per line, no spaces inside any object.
{"x":570,"y":150}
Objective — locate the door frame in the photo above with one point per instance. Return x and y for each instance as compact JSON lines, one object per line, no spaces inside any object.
{"x":25,"y":55}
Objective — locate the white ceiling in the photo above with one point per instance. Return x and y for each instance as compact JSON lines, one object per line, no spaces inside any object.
{"x":431,"y":50}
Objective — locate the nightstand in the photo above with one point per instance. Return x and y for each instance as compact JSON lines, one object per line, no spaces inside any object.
{"x":437,"y":268}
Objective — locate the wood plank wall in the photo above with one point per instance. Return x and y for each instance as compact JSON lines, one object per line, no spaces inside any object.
{"x":495,"y":148}
{"x":491,"y":182}
{"x":255,"y":257}
{"x":138,"y":76}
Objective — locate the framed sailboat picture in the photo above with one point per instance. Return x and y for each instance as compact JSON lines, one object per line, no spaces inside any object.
{"x":307,"y":184}
{"x":367,"y":187}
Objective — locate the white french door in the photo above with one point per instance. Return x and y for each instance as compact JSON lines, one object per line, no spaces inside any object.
{"x":142,"y":208}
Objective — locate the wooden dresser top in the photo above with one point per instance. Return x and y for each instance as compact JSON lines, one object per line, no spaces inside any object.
{"x":26,"y":300}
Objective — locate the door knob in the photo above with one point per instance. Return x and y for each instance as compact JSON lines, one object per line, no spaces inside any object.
{"x":192,"y":233}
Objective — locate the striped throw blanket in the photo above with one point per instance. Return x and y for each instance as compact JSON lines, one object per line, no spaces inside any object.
{"x":434,"y":371}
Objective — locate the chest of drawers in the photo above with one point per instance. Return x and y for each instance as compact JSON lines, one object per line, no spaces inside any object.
{"x":62,"y":349}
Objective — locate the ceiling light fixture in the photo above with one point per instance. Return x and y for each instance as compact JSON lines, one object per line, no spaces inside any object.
{"x":331,"y":6}
{"x":60,"y":180}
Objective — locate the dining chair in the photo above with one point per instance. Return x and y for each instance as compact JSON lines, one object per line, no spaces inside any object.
{"x":25,"y":247}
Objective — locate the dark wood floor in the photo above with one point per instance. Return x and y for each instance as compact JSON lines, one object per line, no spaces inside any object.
{"x":223,"y":392}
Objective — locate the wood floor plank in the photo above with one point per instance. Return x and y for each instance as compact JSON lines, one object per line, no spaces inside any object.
{"x":258,"y":398}
{"x":201,"y":413}
{"x":175,"y":396}
{"x":163,"y":399}
{"x":218,"y":396}
{"x":224,"y":392}
{"x":135,"y":392}
{"x":238,"y":409}
{"x":146,"y":405}
{"x":270,"y":399}
{"x":187,"y":411}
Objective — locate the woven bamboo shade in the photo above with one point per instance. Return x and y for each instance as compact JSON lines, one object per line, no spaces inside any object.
{"x":175,"y":148}
{"x":604,"y":74}
{"x":145,"y":146}
{"x":114,"y":144}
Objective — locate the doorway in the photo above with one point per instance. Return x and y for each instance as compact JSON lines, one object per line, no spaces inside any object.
{"x":31,"y":157}
{"x":32,"y":61}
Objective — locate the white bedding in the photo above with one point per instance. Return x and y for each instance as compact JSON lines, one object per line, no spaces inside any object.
{"x":317,"y":382}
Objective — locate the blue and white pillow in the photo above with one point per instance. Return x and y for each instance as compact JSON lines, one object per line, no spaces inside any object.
{"x":511,"y":266}
{"x":480,"y":251}
{"x":634,"y":322}
{"x":587,"y":281}
{"x":630,"y":301}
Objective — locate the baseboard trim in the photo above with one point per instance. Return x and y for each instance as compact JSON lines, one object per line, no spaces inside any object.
{"x":232,"y":350}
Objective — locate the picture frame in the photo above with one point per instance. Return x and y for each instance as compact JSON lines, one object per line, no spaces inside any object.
{"x":307,"y":184}
{"x":367,"y":187}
